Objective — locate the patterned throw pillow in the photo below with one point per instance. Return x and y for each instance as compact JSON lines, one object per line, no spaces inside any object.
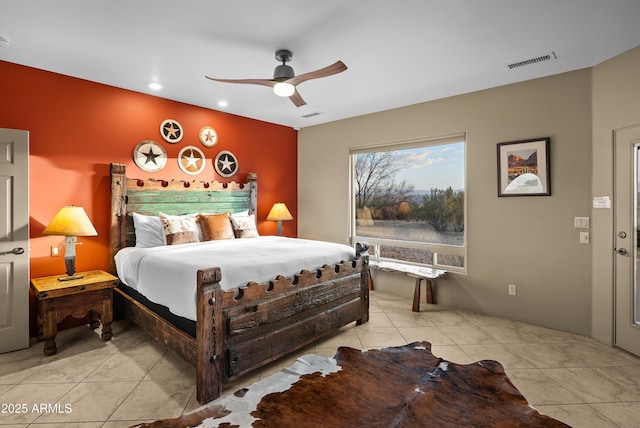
{"x":244,"y":226}
{"x":179,"y":229}
{"x":215,"y":226}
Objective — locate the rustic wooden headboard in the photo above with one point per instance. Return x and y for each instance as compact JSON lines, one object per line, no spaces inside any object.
{"x":151,"y":197}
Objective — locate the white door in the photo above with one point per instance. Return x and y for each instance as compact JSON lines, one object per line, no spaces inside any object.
{"x":627,"y":268}
{"x":14,"y":239}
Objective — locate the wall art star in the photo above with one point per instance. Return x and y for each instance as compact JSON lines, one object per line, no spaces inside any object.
{"x":149,"y":156}
{"x":226,"y":164}
{"x":171,"y":131}
{"x":208,"y":136}
{"x":191,"y":160}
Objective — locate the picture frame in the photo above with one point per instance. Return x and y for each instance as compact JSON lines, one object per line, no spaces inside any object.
{"x":524,"y":168}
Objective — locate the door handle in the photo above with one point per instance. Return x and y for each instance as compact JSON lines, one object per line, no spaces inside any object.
{"x":622,"y":252}
{"x":16,"y":251}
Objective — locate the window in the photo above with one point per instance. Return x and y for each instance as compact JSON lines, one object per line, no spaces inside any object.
{"x":408,"y":201}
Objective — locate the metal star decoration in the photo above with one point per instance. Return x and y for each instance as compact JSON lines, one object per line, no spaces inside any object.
{"x":151,"y":157}
{"x":226,"y":164}
{"x":171,"y":131}
{"x":191,"y":160}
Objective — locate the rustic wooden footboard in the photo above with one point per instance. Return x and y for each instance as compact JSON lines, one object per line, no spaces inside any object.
{"x":240,"y":330}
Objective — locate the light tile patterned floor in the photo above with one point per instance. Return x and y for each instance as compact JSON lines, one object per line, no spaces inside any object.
{"x":132,"y":378}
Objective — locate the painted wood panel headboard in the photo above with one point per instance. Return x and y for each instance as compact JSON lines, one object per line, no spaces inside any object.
{"x":151,"y":197}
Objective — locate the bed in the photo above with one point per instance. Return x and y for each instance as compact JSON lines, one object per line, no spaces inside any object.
{"x":236,"y":328}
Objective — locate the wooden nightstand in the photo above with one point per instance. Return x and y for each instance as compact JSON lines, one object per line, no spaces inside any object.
{"x":56,"y":300}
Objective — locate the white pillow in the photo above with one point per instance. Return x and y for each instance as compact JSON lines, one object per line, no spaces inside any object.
{"x":149,"y":231}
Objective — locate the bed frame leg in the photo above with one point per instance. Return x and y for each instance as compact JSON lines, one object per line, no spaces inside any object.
{"x":210,"y":374}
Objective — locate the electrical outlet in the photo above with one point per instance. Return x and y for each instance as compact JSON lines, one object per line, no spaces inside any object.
{"x":512,"y":289}
{"x":54,"y":252}
{"x":584,"y":237}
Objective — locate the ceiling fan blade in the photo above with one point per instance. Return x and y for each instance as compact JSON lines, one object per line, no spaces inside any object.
{"x":330,"y":70}
{"x":296,"y":98}
{"x":263,"y":82}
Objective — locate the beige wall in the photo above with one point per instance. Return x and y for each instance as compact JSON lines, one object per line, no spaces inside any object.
{"x":527,"y":241}
{"x":616,"y":104}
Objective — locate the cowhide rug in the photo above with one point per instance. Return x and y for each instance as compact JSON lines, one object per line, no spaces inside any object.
{"x":403,"y":386}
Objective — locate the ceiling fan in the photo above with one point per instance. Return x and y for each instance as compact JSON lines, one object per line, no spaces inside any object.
{"x":284,"y":80}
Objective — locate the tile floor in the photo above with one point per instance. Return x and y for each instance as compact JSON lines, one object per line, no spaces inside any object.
{"x":90,"y":383}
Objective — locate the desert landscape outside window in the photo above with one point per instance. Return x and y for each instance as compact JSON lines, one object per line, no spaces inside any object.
{"x":408,"y":201}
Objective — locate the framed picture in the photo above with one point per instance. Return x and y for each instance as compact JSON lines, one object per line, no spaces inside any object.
{"x":524,"y":168}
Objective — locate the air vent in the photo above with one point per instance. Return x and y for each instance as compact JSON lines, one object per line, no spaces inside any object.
{"x":541,"y":58}
{"x":307,"y":116}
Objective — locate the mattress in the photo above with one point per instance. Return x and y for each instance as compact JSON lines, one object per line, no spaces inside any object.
{"x":166,"y":275}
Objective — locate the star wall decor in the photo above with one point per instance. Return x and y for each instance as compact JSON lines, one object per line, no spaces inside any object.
{"x":171,"y":131}
{"x":149,"y":156}
{"x":191,"y":160}
{"x":208,"y":136}
{"x":226,"y":164}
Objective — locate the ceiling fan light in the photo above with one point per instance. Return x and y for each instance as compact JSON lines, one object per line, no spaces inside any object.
{"x":284,"y":89}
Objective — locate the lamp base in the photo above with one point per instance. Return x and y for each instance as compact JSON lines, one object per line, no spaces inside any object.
{"x":70,"y":277}
{"x":70,"y":260}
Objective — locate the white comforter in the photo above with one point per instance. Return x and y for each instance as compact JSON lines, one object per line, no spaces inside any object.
{"x":167,"y":274}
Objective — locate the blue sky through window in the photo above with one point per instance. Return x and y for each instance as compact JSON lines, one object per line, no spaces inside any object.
{"x":438,"y":167}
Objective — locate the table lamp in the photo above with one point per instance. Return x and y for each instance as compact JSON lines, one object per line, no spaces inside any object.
{"x":279,"y":212}
{"x":70,"y":222}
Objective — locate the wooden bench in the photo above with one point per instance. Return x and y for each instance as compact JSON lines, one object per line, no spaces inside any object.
{"x":420,"y":273}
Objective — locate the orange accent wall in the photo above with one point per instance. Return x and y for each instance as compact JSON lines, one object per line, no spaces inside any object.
{"x":77,"y":128}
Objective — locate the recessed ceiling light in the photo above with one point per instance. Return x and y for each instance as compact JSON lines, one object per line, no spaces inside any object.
{"x":222,"y":103}
{"x":155,"y":86}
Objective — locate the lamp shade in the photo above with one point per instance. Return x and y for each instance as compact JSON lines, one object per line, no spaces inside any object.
{"x":70,"y":221}
{"x":279,"y":211}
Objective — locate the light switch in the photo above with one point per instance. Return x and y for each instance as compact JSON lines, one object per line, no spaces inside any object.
{"x":581,"y":222}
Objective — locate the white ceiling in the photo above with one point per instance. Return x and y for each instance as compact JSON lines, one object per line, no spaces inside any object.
{"x":398,"y":52}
